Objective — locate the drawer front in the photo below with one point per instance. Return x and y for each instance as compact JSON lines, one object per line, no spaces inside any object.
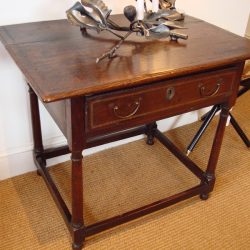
{"x":140,"y":105}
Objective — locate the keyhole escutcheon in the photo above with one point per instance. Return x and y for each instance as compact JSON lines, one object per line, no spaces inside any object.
{"x":170,"y":93}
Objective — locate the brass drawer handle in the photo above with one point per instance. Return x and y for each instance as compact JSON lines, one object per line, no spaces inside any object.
{"x":212,"y":93}
{"x":137,"y":106}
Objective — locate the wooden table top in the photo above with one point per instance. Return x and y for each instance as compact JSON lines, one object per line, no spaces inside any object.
{"x":59,"y":62}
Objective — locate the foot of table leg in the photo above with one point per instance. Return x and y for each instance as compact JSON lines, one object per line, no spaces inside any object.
{"x":210,"y":181}
{"x":78,"y":237}
{"x":38,"y":172}
{"x":150,"y":140}
{"x":40,"y":162}
{"x":77,"y":247}
{"x":78,"y":240}
{"x":150,"y":132}
{"x":204,"y":196}
{"x":215,"y":151}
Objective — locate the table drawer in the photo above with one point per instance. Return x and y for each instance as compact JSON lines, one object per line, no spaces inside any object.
{"x":156,"y":101}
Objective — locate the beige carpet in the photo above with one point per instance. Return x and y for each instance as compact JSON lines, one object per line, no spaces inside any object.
{"x":124,"y":178}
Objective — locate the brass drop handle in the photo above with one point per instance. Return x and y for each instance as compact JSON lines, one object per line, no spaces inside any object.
{"x":212,"y":93}
{"x":137,"y":106}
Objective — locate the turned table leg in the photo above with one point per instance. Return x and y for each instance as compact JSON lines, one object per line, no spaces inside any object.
{"x":215,"y":151}
{"x":77,"y":200}
{"x":76,"y":141}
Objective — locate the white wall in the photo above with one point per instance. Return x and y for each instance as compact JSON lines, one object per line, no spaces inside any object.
{"x":15,"y":129}
{"x":248,"y":28}
{"x":230,"y":15}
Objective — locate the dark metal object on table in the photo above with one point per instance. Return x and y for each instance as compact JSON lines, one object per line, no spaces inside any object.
{"x":130,"y":13}
{"x":95,"y":15}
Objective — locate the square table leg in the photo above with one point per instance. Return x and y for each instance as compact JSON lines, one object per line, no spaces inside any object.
{"x":36,"y":129}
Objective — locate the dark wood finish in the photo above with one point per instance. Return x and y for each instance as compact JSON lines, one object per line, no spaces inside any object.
{"x":115,"y":221}
{"x":36,"y":131}
{"x":55,"y":194}
{"x":54,"y":152}
{"x":93,"y":142}
{"x":182,"y":158}
{"x":58,"y":112}
{"x":215,"y":151}
{"x":150,"y":132}
{"x":36,"y":124}
{"x":107,"y":138}
{"x":150,"y":102}
{"x":76,"y":140}
{"x":99,"y":103}
{"x":59,"y":62}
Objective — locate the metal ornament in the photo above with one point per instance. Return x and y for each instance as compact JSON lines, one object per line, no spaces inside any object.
{"x":95,"y":15}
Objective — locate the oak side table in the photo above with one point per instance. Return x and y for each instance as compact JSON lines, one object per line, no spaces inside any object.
{"x":93,"y":104}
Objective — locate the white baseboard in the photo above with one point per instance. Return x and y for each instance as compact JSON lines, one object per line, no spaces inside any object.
{"x":16,"y":164}
{"x":53,"y":141}
{"x":20,"y":161}
{"x":17,"y":161}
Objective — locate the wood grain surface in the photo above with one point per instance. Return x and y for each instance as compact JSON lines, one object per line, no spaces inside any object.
{"x":59,"y":62}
